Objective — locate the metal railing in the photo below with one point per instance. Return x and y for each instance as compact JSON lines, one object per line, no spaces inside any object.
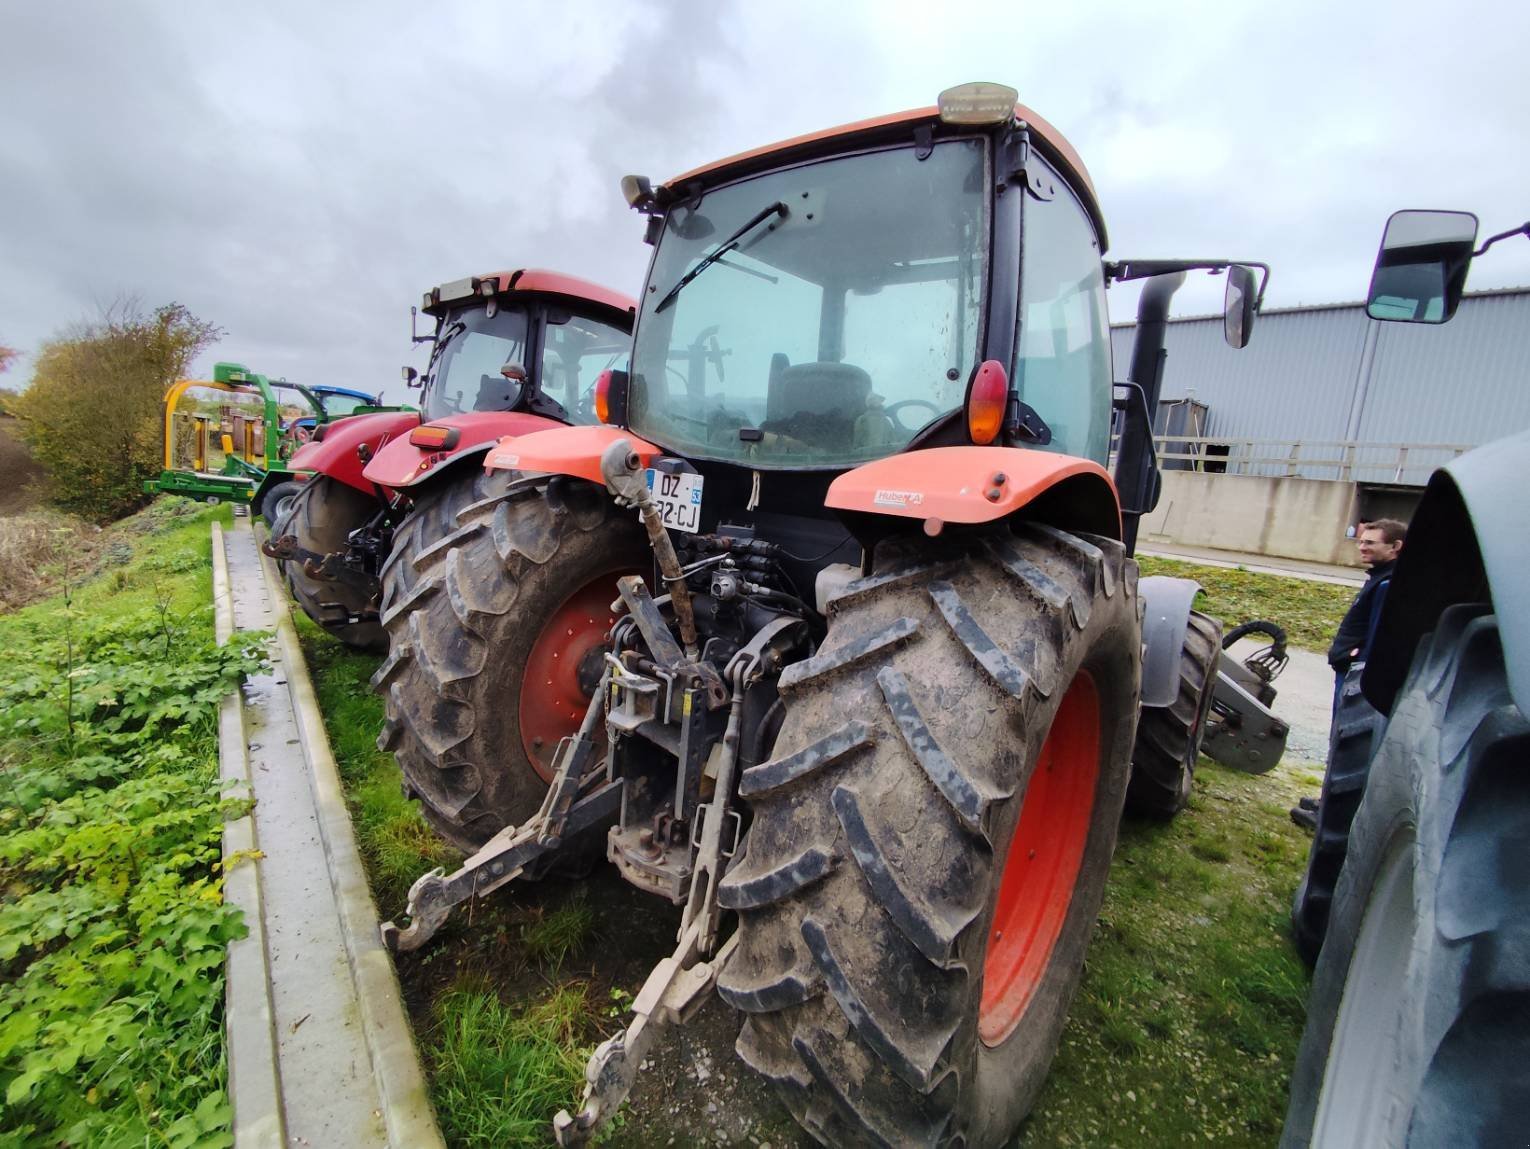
{"x":1345,"y":461}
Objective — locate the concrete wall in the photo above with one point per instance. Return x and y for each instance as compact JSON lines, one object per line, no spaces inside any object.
{"x":1293,"y":518}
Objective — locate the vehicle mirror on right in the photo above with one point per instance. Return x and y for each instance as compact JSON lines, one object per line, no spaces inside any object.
{"x":1421,"y":269}
{"x":1238,"y":304}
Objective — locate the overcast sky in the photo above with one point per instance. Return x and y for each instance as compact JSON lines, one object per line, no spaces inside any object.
{"x":298,"y":173}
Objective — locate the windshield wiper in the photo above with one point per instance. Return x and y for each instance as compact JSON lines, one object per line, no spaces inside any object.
{"x":719,"y":251}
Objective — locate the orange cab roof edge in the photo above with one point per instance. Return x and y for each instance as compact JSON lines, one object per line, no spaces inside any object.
{"x":1052,"y":142}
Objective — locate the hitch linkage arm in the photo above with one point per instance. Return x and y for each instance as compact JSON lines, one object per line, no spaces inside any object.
{"x":503,"y":857}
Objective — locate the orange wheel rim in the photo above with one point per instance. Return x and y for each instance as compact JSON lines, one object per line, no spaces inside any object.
{"x":1042,"y":867}
{"x":562,"y":667}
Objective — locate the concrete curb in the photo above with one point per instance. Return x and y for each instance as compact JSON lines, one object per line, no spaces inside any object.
{"x":254,"y":1079}
{"x":407,"y":1112}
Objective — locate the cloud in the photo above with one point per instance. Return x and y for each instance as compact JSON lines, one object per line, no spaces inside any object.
{"x":299,"y":173}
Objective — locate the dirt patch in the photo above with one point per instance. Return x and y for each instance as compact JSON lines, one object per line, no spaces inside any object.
{"x":23,"y":482}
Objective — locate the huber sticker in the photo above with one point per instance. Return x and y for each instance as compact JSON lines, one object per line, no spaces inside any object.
{"x":902,"y":499}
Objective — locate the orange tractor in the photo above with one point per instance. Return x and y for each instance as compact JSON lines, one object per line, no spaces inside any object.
{"x":870,"y":719}
{"x":512,"y":352}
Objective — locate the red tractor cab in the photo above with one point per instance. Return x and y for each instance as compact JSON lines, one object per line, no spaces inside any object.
{"x":512,"y":352}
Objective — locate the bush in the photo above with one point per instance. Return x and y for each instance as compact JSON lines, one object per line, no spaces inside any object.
{"x":121,"y":365}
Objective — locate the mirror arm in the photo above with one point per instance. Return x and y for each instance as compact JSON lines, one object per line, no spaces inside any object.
{"x":1121,"y":271}
{"x":1523,"y":229}
{"x":414,"y":335}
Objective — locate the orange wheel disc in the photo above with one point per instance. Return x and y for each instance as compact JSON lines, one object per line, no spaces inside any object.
{"x":562,"y":669}
{"x":1042,"y":867}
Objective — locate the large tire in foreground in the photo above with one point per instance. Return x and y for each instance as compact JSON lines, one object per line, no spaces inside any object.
{"x":1418,"y":1024}
{"x":322,"y":515}
{"x":1169,"y":737}
{"x":1356,"y":731}
{"x":496,"y":599}
{"x":932,"y":836}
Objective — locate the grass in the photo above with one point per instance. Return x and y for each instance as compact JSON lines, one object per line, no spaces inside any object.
{"x":112,"y":924}
{"x":1309,"y":611}
{"x":1183,"y":1032}
{"x":1186,"y":1025}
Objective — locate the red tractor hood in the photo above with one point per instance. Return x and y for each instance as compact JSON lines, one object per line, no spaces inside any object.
{"x":336,"y":454}
{"x":401,"y":464}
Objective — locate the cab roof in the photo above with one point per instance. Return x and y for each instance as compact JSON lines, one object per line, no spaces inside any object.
{"x":1049,"y":140}
{"x":539,"y":281}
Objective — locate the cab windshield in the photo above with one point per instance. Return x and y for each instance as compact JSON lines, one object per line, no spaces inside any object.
{"x":474,"y":347}
{"x":833,"y":328}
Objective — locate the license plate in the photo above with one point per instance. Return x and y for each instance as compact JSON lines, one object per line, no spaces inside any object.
{"x":678,"y":498}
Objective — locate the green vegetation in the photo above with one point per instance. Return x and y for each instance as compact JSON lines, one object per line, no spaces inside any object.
{"x":120,"y":364}
{"x":112,"y":922}
{"x":1309,"y":611}
{"x":1185,"y":1029}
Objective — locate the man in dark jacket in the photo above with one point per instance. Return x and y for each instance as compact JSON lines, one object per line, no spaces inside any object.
{"x":1380,"y":543}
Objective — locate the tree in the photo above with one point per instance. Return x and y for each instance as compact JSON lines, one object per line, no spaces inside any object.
{"x":93,"y":412}
{"x":7,"y":354}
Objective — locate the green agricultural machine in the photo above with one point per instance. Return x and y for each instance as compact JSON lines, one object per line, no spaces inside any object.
{"x":237,"y":450}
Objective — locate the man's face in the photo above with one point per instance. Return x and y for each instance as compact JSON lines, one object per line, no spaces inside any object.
{"x":1374,"y":547}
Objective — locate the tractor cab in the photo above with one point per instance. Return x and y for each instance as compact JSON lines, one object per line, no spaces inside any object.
{"x":529,"y":340}
{"x":923,"y":280}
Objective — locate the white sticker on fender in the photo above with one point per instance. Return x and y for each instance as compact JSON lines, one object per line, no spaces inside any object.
{"x":898,"y":498}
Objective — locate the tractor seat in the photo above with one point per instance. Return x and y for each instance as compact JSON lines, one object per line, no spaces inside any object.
{"x":816,"y":403}
{"x":495,"y":393}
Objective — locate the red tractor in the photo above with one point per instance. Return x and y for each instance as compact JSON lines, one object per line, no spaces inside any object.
{"x":870,"y":718}
{"x":513,"y":352}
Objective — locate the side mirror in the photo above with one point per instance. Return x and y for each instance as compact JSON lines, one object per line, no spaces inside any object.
{"x":514,"y":372}
{"x":1239,"y":304}
{"x":1421,"y":269}
{"x":411,"y":377}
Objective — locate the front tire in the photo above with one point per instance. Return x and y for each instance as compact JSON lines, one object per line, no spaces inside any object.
{"x":496,"y":599}
{"x":950,"y":772}
{"x":1418,"y":1024}
{"x":1169,"y":737}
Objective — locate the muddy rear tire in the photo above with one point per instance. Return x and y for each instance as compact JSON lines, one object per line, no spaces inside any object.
{"x":322,"y":515}
{"x":888,"y":845}
{"x":481,"y":567}
{"x":1169,"y":737}
{"x":1418,"y":1024}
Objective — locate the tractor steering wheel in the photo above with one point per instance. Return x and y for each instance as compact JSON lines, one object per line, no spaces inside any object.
{"x":891,"y":411}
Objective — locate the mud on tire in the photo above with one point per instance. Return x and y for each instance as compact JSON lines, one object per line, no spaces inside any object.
{"x":1169,"y":737}
{"x":322,"y":515}
{"x":884,"y":821}
{"x":477,"y":569}
{"x":1418,"y":1024}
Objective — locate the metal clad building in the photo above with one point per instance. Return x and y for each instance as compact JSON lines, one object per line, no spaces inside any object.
{"x":1331,"y":374}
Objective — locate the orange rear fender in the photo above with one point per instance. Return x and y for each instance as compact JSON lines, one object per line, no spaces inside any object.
{"x":982,"y":485}
{"x":572,"y":451}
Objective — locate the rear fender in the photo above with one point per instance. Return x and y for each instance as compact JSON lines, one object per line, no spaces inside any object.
{"x":572,"y":451}
{"x":1469,"y":541}
{"x":401,"y":465}
{"x":1166,"y":606}
{"x":335,"y":455}
{"x":983,"y":485}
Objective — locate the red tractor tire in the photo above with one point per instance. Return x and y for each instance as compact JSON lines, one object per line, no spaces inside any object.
{"x":322,"y":514}
{"x":931,"y":839}
{"x":496,"y":598}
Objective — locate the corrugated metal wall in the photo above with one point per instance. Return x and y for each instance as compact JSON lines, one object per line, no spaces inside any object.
{"x":1300,"y":377}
